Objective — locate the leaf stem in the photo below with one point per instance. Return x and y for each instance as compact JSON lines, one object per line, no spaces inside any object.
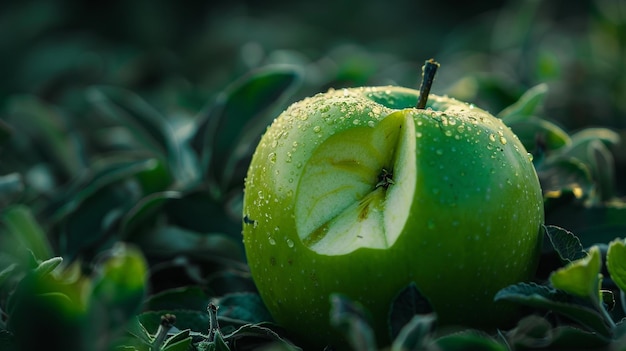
{"x":214,"y":327}
{"x":428,"y":75}
{"x":167,"y":322}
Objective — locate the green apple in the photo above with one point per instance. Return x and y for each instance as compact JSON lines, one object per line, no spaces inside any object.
{"x":357,"y":191}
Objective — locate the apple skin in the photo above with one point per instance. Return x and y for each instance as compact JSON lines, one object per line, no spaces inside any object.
{"x":471,"y":223}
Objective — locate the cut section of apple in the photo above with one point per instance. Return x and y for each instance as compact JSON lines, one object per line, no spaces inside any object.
{"x":356,"y":189}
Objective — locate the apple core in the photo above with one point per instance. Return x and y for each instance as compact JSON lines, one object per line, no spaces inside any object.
{"x":356,"y":188}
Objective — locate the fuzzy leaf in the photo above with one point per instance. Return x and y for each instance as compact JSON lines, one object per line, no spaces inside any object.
{"x":529,"y":130}
{"x":178,"y":342}
{"x":526,"y":105}
{"x":415,"y":334}
{"x":245,"y":307}
{"x":351,"y":319}
{"x":580,"y":277}
{"x":254,"y":336}
{"x":565,"y":174}
{"x":47,"y":266}
{"x":531,"y":332}
{"x":547,"y":298}
{"x":230,"y":129}
{"x":565,"y":243}
{"x":130,"y":110}
{"x":468,"y":341}
{"x":616,"y":262}
{"x":408,"y":303}
{"x":22,"y":225}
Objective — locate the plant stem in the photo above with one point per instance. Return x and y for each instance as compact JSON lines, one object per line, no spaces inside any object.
{"x":214,"y":327}
{"x":428,"y":75}
{"x":167,"y":322}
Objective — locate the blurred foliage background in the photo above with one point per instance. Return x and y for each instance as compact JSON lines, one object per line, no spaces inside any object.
{"x":132,"y":121}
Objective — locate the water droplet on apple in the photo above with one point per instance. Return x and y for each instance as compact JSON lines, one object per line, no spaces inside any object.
{"x":492,"y":137}
{"x":271,"y":240}
{"x":371,"y":124}
{"x":290,"y":243}
{"x":418,"y":134}
{"x":461,"y":128}
{"x":356,"y":122}
{"x":317,"y":129}
{"x":272,"y":157}
{"x":530,"y":157}
{"x":503,"y":140}
{"x":448,"y":133}
{"x":439,"y":152}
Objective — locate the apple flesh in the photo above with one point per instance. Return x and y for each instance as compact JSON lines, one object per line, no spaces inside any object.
{"x":358,"y":192}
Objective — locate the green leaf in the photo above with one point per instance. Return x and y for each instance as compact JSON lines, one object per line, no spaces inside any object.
{"x":246,"y":307}
{"x":6,"y":273}
{"x":119,"y":284}
{"x":216,"y":247}
{"x":199,"y":212}
{"x":616,"y":262}
{"x":106,"y":172}
{"x":468,"y":341}
{"x":591,"y":147}
{"x":408,"y":303}
{"x":39,"y":121}
{"x":257,"y":336}
{"x":607,"y":136}
{"x":229,"y":132}
{"x":531,"y":332}
{"x":526,"y":105}
{"x":22,"y":225}
{"x":146,"y":209}
{"x":415,"y":334}
{"x":47,"y":266}
{"x":135,"y":114}
{"x":352,"y":320}
{"x":529,"y":130}
{"x":547,"y":298}
{"x":136,"y":329}
{"x":11,"y":186}
{"x":563,"y":174}
{"x":535,"y":332}
{"x":178,"y":342}
{"x":580,"y":277}
{"x":148,"y":126}
{"x":565,"y":243}
{"x":572,"y":338}
{"x":219,"y":344}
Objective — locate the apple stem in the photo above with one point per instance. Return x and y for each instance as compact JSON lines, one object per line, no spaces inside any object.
{"x":428,"y":75}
